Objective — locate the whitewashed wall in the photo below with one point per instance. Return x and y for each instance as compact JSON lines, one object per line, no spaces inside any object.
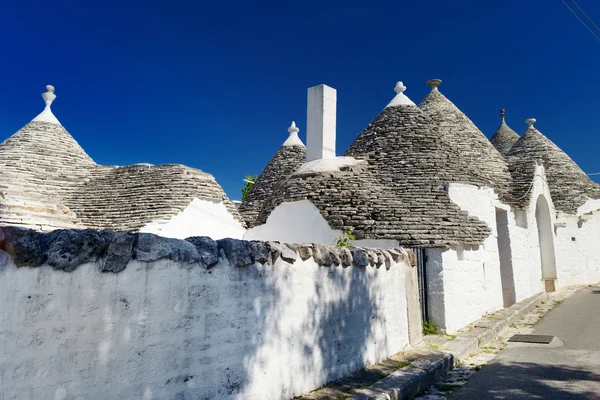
{"x":466,"y":282}
{"x":578,"y":246}
{"x":166,"y":330}
{"x":309,"y":227}
{"x":524,"y":240}
{"x":202,"y":217}
{"x":468,"y":276}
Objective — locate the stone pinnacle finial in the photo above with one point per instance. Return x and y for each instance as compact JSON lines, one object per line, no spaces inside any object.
{"x":293,"y":128}
{"x":293,"y":139}
{"x":49,"y":95}
{"x":399,"y":87}
{"x":530,"y":122}
{"x":433,"y":83}
{"x":502,"y":113}
{"x":46,"y":115}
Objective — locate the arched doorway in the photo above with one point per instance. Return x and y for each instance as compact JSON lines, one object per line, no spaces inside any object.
{"x":546,"y":241}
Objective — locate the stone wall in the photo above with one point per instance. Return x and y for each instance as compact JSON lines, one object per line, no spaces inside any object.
{"x":471,"y":277}
{"x":465,"y":282}
{"x":577,"y":255}
{"x":104,"y":315}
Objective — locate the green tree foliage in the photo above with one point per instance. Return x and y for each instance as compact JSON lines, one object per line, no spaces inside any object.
{"x":249,"y":180}
{"x":345,"y":240}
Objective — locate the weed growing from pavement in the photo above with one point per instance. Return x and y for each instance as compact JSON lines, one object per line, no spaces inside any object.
{"x":429,"y":328}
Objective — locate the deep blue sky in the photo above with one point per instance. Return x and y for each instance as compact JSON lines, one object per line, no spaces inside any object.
{"x":214,"y":85}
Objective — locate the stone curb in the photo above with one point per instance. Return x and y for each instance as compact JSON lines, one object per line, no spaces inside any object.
{"x":407,"y":382}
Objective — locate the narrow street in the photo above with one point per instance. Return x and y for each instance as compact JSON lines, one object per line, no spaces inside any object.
{"x":567,"y":368}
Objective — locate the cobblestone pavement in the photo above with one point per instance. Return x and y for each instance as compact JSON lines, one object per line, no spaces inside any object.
{"x":474,"y":362}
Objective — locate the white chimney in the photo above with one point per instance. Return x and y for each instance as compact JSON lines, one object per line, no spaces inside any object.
{"x":320,"y":125}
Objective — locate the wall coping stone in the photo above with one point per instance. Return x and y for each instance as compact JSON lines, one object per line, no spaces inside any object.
{"x":66,"y":249}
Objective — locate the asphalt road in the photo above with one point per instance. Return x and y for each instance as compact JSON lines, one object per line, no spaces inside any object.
{"x":568,"y":368}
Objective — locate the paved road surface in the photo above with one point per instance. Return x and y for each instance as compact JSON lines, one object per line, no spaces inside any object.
{"x":569,"y":370}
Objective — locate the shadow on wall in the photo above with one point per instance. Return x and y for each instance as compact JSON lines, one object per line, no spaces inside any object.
{"x":307,"y":334}
{"x":531,"y":381}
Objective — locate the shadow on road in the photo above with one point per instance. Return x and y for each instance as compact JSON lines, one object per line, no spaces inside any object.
{"x":532,"y":381}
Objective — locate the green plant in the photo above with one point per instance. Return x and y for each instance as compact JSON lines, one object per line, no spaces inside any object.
{"x":433,"y":346}
{"x":429,"y":328}
{"x":401,"y":365}
{"x":345,"y":240}
{"x":249,"y":180}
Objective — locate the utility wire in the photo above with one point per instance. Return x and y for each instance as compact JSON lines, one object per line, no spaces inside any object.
{"x":580,"y":20}
{"x":595,"y":173}
{"x":585,"y":15}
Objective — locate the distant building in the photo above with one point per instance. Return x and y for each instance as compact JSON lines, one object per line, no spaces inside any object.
{"x":497,"y":221}
{"x":49,"y":182}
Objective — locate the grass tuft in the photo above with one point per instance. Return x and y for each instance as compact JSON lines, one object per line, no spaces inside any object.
{"x":429,"y":328}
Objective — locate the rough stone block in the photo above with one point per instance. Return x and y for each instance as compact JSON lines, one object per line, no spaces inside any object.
{"x":335,"y":255}
{"x":151,"y":247}
{"x":372,"y":255}
{"x":288,"y":254}
{"x":119,"y":252}
{"x":23,"y":245}
{"x":184,"y":251}
{"x":236,"y":251}
{"x":380,"y":259}
{"x":275,"y":250}
{"x":207,"y":249}
{"x":359,"y":256}
{"x":305,"y":251}
{"x":345,"y":256}
{"x":412,"y":257}
{"x":322,"y":255}
{"x":259,"y":251}
{"x":67,"y":249}
{"x":389,"y":260}
{"x":396,"y":256}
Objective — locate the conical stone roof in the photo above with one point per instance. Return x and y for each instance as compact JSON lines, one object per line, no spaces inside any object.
{"x":41,"y":164}
{"x":504,"y":138}
{"x":569,"y":186}
{"x":478,"y":162}
{"x":48,"y":182}
{"x":399,"y":192}
{"x":290,"y":156}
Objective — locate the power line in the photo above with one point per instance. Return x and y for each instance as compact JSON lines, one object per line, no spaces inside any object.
{"x":585,"y":15}
{"x":580,"y":20}
{"x":595,"y":173}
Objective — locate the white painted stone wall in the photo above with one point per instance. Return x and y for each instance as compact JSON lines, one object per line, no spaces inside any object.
{"x":465,"y":282}
{"x":164,"y":330}
{"x":463,"y":285}
{"x":202,"y":217}
{"x":524,"y":240}
{"x":471,"y":274}
{"x":309,"y":227}
{"x":578,"y":246}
